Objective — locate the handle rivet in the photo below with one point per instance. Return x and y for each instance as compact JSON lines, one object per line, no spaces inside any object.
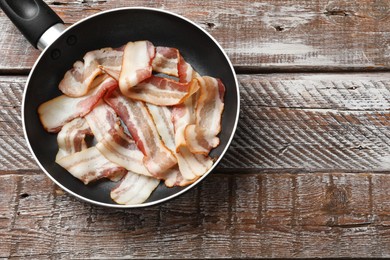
{"x":72,"y":40}
{"x":55,"y":54}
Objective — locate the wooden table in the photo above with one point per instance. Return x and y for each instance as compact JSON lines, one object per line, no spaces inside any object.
{"x":306,"y":174}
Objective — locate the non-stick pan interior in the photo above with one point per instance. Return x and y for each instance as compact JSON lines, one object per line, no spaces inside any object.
{"x":114,"y":29}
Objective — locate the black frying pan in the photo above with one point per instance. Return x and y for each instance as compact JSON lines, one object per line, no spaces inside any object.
{"x":112,"y":28}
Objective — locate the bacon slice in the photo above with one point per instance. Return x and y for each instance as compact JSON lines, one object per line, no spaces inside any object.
{"x":186,"y":71}
{"x":78,"y":80}
{"x":202,"y":136}
{"x":113,"y":142}
{"x":162,"y":117}
{"x":166,"y":61}
{"x":191,"y":166}
{"x":119,"y":148}
{"x":136,"y":64}
{"x":90,"y":165}
{"x":102,"y":119}
{"x":173,"y":178}
{"x":162,"y":91}
{"x":134,"y":189}
{"x":60,"y":110}
{"x":158,"y":158}
{"x":71,"y":138}
{"x":182,"y":116}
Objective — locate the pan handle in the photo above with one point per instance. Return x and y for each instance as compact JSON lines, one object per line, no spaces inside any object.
{"x":33,"y":18}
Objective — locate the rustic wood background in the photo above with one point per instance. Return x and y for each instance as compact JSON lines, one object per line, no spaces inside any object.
{"x":307,"y":172}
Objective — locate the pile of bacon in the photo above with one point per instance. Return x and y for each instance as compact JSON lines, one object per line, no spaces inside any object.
{"x":151,"y":115}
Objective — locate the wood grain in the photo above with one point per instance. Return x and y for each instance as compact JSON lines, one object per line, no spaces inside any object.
{"x":258,"y":36}
{"x":235,"y":215}
{"x":288,"y":122}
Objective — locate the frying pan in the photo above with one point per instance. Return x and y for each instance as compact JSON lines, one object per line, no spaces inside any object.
{"x":62,"y":47}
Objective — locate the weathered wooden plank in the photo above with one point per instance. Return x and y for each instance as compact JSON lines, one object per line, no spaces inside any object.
{"x":235,"y":215}
{"x":312,"y":122}
{"x":295,"y":122}
{"x":267,"y":35}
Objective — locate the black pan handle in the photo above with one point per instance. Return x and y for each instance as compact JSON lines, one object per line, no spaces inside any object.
{"x":32,"y":17}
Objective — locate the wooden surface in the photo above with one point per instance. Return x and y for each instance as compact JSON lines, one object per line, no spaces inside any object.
{"x":307,"y":174}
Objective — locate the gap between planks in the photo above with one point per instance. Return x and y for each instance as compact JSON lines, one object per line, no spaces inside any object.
{"x":248,"y":70}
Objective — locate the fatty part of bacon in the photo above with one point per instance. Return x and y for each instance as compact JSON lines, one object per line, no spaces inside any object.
{"x":186,"y":71}
{"x":135,"y":115}
{"x":71,"y":138}
{"x":191,"y":166}
{"x":113,"y":142}
{"x":60,"y":110}
{"x":134,"y":189}
{"x":169,"y":61}
{"x":162,"y":117}
{"x":102,"y":119}
{"x":119,"y":148}
{"x":136,"y":64}
{"x":162,"y":91}
{"x":201,"y":137}
{"x":90,"y":165}
{"x":78,"y":81}
{"x":166,"y":61}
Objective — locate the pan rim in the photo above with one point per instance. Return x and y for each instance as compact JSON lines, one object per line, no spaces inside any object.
{"x":151,"y":203}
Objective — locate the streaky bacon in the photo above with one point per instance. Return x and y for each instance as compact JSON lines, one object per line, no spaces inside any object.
{"x":201,"y":137}
{"x":101,"y":120}
{"x":191,"y":166}
{"x":134,"y":189}
{"x":113,"y":142}
{"x":136,"y":64}
{"x":90,"y":165}
{"x":169,"y":61}
{"x":119,"y":148}
{"x":135,"y":115}
{"x":166,"y":61}
{"x":186,"y":71}
{"x":173,"y":177}
{"x":162,"y":91}
{"x":78,"y":81}
{"x":71,"y":138}
{"x":62,"y":109}
{"x":182,"y":116}
{"x":162,"y":117}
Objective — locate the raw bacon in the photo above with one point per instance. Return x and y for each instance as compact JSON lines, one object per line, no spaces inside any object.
{"x":186,"y":71}
{"x":90,"y":165}
{"x":151,"y":128}
{"x":60,"y":110}
{"x":162,"y":91}
{"x":119,"y":148}
{"x":134,"y":189}
{"x":182,"y":116}
{"x":201,"y":137}
{"x":191,"y":166}
{"x":173,"y":177}
{"x":71,"y":138}
{"x":78,"y":80}
{"x":158,"y":158}
{"x":113,"y":142}
{"x":166,"y":61}
{"x":102,"y":119}
{"x":136,"y":64}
